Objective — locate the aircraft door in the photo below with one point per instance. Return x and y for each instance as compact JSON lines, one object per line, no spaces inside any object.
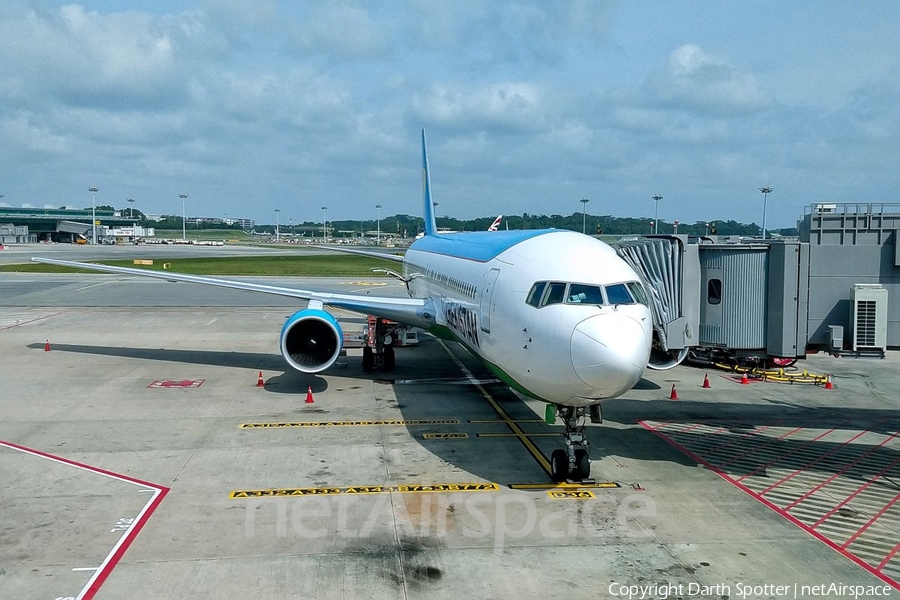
{"x":487,"y":297}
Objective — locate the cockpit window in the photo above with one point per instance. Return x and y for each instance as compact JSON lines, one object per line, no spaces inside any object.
{"x":618,"y":294}
{"x":580,"y":293}
{"x":534,"y":296}
{"x":555,"y":294}
{"x":637,"y":290}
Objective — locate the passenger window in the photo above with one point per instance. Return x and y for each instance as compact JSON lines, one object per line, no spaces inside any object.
{"x":618,"y":294}
{"x":534,"y":296}
{"x":555,"y":294}
{"x":637,"y":290}
{"x":580,"y":293}
{"x":714,"y":291}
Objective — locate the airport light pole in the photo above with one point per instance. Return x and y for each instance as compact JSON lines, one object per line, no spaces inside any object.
{"x":584,"y":202}
{"x":378,"y":239}
{"x":130,"y":208}
{"x":183,"y":220}
{"x":277,"y":210}
{"x":324,"y":226}
{"x":765,"y":191}
{"x":657,"y":197}
{"x":93,"y":191}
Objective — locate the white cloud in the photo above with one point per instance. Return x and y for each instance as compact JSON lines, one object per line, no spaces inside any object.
{"x":515,"y":106}
{"x":696,"y":80}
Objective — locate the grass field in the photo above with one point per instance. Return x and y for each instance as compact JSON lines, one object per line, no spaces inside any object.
{"x":344,"y":265}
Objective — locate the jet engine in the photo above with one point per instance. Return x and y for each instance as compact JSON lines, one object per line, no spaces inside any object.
{"x":311,"y":340}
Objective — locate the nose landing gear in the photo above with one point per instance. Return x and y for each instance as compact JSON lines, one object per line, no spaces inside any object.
{"x":574,"y":462}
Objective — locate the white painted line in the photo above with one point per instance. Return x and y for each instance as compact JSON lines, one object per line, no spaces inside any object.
{"x":98,"y":284}
{"x":86,"y":569}
{"x":128,"y":535}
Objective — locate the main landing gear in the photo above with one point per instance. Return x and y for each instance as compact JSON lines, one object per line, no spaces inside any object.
{"x":574,"y":462}
{"x":378,"y":353}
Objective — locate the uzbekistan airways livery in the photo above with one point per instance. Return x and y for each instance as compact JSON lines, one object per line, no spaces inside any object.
{"x":556,"y":315}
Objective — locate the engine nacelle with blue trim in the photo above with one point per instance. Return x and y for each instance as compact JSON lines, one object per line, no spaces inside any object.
{"x":311,"y":340}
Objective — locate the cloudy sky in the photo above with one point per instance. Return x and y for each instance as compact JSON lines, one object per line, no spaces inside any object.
{"x":248,"y":106}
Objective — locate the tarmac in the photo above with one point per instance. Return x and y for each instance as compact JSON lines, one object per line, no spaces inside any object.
{"x":139,"y":456}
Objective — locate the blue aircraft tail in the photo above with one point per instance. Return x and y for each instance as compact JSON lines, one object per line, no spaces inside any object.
{"x":430,"y":225}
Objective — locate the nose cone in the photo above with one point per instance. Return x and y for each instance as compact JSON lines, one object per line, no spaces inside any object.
{"x":609,"y":353}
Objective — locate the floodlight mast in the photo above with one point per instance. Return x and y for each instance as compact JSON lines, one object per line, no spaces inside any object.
{"x":657,"y":197}
{"x":765,"y":192}
{"x":183,"y":228}
{"x":378,"y":239}
{"x":93,"y":190}
{"x":584,"y":202}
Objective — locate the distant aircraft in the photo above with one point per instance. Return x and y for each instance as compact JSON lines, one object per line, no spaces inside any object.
{"x":496,"y":224}
{"x":556,"y":315}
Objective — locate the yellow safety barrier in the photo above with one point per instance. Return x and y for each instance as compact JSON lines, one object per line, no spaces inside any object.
{"x":778,"y":375}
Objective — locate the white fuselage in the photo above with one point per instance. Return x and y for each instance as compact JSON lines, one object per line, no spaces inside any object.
{"x":573,"y":354}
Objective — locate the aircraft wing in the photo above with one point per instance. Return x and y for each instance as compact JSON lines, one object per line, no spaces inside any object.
{"x":369,"y":253}
{"x":410,"y":311}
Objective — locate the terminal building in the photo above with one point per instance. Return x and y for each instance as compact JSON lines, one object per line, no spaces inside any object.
{"x":66,"y":225}
{"x":834,"y":288}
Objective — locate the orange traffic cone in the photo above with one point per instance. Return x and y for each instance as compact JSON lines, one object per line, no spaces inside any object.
{"x":47,"y":346}
{"x":260,"y":382}
{"x":673,"y":395}
{"x":309,"y":397}
{"x":829,"y":385}
{"x":706,"y":381}
{"x":745,"y":380}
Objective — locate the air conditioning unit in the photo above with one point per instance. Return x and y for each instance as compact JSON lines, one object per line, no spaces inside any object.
{"x":868,"y":318}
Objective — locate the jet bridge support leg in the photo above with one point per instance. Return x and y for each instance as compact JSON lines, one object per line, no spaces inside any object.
{"x":573,"y":462}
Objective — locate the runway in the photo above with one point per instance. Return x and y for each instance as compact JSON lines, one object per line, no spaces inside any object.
{"x":139,"y":456}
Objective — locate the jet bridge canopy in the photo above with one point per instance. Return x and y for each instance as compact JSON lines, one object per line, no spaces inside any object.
{"x":670,"y":272}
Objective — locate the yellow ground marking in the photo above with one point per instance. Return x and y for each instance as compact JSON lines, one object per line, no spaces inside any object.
{"x":563,"y":486}
{"x":445,"y":436}
{"x":516,"y":435}
{"x":571,"y":494}
{"x":367,"y":489}
{"x":398,"y":422}
{"x":514,"y":427}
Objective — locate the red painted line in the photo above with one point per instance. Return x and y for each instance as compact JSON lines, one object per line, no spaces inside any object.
{"x":874,"y":518}
{"x":848,"y":555}
{"x":809,"y":464}
{"x":783,"y":456}
{"x":888,"y":558}
{"x":764,"y":446}
{"x":647,"y":426}
{"x":838,"y":474}
{"x":856,"y":493}
{"x":694,"y":426}
{"x":125,"y":541}
{"x":735,"y":440}
{"x":81,"y":465}
{"x":113,"y":559}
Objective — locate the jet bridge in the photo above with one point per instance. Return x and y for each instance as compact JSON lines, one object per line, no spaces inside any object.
{"x":670,"y":270}
{"x":728,"y":298}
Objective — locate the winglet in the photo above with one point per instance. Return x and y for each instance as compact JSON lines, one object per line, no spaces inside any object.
{"x":430,"y":225}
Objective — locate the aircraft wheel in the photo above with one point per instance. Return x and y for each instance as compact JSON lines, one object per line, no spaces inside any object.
{"x":368,"y":362}
{"x":390,"y":361}
{"x":582,"y":465}
{"x":559,"y":466}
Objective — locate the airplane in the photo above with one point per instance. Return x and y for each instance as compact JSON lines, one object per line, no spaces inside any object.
{"x":556,"y":315}
{"x":496,"y":224}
